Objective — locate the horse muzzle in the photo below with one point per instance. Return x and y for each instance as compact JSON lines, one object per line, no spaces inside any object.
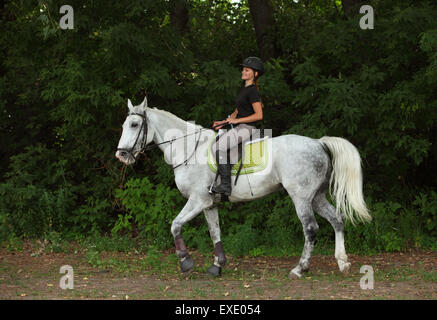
{"x":125,"y":157}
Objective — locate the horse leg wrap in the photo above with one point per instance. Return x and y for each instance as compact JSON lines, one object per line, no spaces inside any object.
{"x":219,"y":253}
{"x":185,"y":261}
{"x":181,"y":248}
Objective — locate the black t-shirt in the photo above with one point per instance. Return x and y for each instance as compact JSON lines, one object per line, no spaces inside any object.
{"x":246,"y":96}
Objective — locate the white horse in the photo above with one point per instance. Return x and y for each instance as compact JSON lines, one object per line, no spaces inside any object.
{"x":304,"y":167}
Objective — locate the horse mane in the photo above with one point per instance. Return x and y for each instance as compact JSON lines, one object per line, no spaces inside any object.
{"x":176,"y":118}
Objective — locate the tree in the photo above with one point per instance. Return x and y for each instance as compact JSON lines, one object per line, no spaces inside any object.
{"x":351,"y":7}
{"x":264,"y":24}
{"x":179,"y":15}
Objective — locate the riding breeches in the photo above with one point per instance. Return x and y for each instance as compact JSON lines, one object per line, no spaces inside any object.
{"x":231,"y":138}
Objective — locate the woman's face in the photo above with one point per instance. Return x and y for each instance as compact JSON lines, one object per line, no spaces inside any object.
{"x":247,"y":73}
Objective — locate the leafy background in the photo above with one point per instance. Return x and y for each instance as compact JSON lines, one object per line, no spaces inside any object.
{"x":63,"y":96}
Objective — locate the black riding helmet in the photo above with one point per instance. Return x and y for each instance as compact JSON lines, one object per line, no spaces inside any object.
{"x":254,"y":63}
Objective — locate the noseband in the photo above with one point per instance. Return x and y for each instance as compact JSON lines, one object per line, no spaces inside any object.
{"x":144,"y":140}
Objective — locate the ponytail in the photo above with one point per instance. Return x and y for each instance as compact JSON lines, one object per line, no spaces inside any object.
{"x":257,"y":84}
{"x":257,"y":88}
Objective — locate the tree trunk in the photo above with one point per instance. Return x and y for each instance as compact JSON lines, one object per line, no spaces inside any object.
{"x":179,"y":15}
{"x":264,"y":23}
{"x":351,"y":7}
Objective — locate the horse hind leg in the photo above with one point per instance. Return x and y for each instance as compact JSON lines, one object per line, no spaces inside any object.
{"x":310,"y":228}
{"x":322,"y":206}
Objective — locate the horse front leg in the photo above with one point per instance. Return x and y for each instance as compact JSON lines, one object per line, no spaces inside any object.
{"x":191,"y":209}
{"x":212,"y":218}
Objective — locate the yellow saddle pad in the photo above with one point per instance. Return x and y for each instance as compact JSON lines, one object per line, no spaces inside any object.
{"x":255,"y":158}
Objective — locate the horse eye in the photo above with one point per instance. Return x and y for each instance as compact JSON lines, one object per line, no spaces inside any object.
{"x":134,"y":125}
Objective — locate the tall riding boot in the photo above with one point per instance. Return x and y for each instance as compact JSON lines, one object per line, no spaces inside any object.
{"x":224,"y":170}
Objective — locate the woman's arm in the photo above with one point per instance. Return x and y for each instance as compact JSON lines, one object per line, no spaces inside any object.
{"x":258,"y":115}
{"x":234,"y":114}
{"x":216,"y":124}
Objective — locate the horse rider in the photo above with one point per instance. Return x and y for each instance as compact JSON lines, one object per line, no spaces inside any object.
{"x":247,"y":115}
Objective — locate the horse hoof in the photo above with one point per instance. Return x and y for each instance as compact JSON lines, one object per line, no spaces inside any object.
{"x":215,"y":271}
{"x":186,"y":264}
{"x":344,"y":266}
{"x":294,"y":275}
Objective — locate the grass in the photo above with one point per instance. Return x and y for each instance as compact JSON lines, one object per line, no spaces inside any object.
{"x":403,"y":274}
{"x":430,"y":276}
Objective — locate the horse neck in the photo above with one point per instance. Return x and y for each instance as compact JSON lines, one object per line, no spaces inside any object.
{"x":168,"y":126}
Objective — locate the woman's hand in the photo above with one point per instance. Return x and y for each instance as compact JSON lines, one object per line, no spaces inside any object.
{"x":219,"y":124}
{"x":233,"y":120}
{"x":216,"y":124}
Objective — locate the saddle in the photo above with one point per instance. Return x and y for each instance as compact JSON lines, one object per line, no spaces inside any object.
{"x":252,"y":158}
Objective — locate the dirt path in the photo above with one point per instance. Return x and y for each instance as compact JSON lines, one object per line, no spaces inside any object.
{"x":30,"y":274}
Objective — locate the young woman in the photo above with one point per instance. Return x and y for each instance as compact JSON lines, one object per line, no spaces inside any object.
{"x":247,"y":114}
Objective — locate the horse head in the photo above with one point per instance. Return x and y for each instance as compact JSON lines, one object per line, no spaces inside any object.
{"x":136,"y":133}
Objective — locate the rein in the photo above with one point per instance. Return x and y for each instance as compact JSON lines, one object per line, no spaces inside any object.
{"x":144,"y":148}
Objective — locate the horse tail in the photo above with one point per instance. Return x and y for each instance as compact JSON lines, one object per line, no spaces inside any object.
{"x":346,"y":181}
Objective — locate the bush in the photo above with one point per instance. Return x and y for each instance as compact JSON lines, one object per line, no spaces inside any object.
{"x":150,"y":207}
{"x":35,"y":202}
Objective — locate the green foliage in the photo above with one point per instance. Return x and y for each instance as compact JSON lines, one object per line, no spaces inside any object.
{"x":243,"y":240}
{"x":395,"y":227}
{"x":150,"y":207}
{"x":63,"y":96}
{"x":426,"y":205}
{"x":356,"y":83}
{"x":34,"y":202}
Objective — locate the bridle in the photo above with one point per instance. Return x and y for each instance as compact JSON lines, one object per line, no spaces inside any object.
{"x":143,"y":147}
{"x":144,"y":140}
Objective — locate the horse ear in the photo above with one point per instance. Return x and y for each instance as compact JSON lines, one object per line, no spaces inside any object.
{"x":129,"y":105}
{"x":144,"y":103}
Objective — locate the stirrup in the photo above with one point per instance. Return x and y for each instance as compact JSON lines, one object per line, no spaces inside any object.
{"x":224,"y":192}
{"x":213,"y":183}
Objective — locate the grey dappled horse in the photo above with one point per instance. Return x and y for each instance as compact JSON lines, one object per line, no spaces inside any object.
{"x":300,"y":165}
